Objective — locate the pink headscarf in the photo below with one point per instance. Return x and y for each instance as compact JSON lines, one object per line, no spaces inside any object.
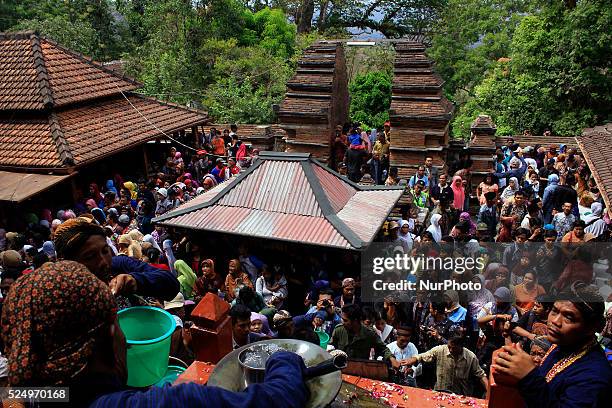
{"x":458,"y":193}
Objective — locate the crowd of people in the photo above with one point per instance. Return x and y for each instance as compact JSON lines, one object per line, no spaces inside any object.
{"x":529,"y":219}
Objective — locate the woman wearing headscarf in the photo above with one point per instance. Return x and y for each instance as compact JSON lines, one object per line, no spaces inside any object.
{"x":186,"y":278}
{"x":149,"y":238}
{"x":594,"y":223}
{"x":454,"y":311}
{"x":511,"y":188}
{"x":458,"y":193}
{"x":548,"y":198}
{"x":260,"y":325}
{"x":479,"y":298}
{"x":405,"y":237}
{"x":68,"y":335}
{"x":110,"y":186}
{"x":132,"y":188}
{"x":235,"y":279}
{"x":465,"y":217}
{"x":434,"y":228}
{"x":209,"y":282}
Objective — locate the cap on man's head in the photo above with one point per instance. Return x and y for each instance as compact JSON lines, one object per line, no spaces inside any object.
{"x":124,"y":219}
{"x":482,"y":227}
{"x":393,"y":225}
{"x":420,"y":183}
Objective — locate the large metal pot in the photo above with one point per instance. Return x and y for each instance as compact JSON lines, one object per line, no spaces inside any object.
{"x":229,"y":374}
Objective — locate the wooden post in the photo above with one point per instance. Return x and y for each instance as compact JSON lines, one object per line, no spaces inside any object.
{"x":73,"y":187}
{"x":194,"y":130}
{"x":146,"y":160}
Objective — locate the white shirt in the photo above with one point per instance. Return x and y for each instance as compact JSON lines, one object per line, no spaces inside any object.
{"x":402,"y":354}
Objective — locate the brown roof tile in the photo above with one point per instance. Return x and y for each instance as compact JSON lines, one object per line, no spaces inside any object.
{"x":83,"y":134}
{"x":27,"y":144}
{"x":595,"y":144}
{"x":36,"y":72}
{"x":113,"y":125}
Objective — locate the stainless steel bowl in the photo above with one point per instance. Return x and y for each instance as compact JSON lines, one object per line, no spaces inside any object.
{"x":228,"y":373}
{"x":254,"y":375}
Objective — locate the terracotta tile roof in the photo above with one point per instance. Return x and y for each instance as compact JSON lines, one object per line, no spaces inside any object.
{"x":109,"y":126}
{"x":78,"y":135}
{"x":595,"y":146}
{"x":290,"y":197}
{"x":19,"y":88}
{"x":37,"y":73}
{"x":27,"y":144}
{"x":60,"y":109}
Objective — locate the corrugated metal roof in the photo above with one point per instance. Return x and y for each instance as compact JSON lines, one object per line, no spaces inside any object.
{"x":204,"y":197}
{"x":372,"y":207}
{"x":265,"y":224}
{"x":275,"y":186}
{"x":275,"y":199}
{"x":338,"y":191}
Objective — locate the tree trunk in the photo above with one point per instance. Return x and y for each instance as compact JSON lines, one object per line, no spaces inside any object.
{"x":322,"y":16}
{"x":306,"y":12}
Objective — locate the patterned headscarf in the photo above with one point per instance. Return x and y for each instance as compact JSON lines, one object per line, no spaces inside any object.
{"x":50,"y":320}
{"x":70,"y":236}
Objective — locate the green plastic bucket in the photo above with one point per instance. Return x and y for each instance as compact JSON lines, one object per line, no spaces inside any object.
{"x":323,"y":339}
{"x":148,"y":333}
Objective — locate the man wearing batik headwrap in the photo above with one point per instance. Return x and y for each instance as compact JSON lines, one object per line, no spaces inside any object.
{"x":348,"y":294}
{"x":85,"y":242}
{"x":574,"y":372}
{"x":60,"y":328}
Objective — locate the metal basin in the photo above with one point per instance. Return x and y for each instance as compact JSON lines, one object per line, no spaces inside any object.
{"x":228,"y":373}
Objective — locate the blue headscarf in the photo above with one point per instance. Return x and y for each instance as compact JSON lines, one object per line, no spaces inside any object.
{"x":553,"y":179}
{"x":110,"y":186}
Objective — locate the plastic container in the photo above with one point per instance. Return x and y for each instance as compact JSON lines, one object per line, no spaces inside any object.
{"x":148,"y":333}
{"x":323,"y":339}
{"x":172,"y":373}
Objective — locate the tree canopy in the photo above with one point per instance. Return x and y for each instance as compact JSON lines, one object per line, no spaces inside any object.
{"x":549,"y":69}
{"x":530,"y":64}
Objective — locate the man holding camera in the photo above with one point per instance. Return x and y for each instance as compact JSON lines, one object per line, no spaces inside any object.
{"x":325,"y":303}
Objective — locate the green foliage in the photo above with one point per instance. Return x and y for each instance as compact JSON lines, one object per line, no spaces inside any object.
{"x":229,"y":101}
{"x":270,"y":29}
{"x":557,"y":76}
{"x":218,"y":53}
{"x":469,"y":39}
{"x":55,"y":17}
{"x":78,"y":35}
{"x":371,"y":98}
